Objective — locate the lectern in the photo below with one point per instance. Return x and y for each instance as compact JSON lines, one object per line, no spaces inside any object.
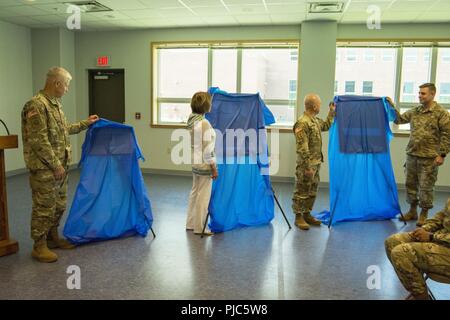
{"x":7,"y":245}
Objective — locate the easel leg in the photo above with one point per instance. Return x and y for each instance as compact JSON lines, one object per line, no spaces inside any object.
{"x":204,"y":226}
{"x":281,"y":209}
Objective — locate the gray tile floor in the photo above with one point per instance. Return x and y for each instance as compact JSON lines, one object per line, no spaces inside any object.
{"x":267,"y":262}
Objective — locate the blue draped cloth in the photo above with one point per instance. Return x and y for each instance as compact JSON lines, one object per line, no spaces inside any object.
{"x":111,"y":199}
{"x":362,"y":183}
{"x":242,"y":195}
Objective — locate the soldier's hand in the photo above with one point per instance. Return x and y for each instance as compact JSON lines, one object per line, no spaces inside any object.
{"x":421,"y":235}
{"x":332,"y":106}
{"x":439,"y":161}
{"x":390,"y":101}
{"x":93,"y":118}
{"x":59,"y":173}
{"x":309,"y":172}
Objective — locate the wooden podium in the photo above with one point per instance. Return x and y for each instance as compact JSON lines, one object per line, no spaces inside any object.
{"x":7,"y":245}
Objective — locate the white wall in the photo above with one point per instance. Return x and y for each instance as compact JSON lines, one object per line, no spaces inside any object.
{"x":16,"y":85}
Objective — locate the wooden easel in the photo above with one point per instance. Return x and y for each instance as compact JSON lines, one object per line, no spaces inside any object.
{"x":7,"y":245}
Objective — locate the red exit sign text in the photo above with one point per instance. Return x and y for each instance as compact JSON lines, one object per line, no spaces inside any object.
{"x":103,"y":61}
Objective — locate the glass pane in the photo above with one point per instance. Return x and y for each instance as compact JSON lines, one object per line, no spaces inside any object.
{"x":182,"y":72}
{"x":443,"y":76}
{"x":380,"y":71}
{"x":284,"y":114}
{"x":269,"y":72}
{"x":349,"y":87}
{"x":415,"y":71}
{"x":174,"y":112}
{"x":224,"y":72}
{"x":405,"y":126}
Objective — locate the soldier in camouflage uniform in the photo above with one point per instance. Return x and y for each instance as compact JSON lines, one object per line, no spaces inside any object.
{"x":47,"y":153}
{"x":308,"y":137}
{"x":428,"y":145}
{"x":425,"y":250}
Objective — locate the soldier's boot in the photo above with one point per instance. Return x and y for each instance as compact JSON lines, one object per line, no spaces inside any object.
{"x":42,"y":253}
{"x":311,"y":220}
{"x":411,"y":214}
{"x":300,"y":222}
{"x":54,"y":241}
{"x":423,"y":216}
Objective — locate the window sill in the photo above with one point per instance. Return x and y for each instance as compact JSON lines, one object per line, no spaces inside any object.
{"x":401,"y":133}
{"x":282,"y":129}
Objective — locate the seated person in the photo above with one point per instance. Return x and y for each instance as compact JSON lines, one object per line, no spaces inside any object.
{"x":424,"y":250}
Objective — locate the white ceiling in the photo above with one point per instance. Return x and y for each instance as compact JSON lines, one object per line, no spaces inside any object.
{"x":135,"y":14}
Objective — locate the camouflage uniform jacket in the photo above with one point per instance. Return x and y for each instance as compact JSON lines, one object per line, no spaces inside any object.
{"x":308,"y":138}
{"x":430,"y":131}
{"x":440,"y":226}
{"x":45,"y":133}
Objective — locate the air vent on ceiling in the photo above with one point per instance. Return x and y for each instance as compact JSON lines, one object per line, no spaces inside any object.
{"x":326,"y":7}
{"x":89,"y":6}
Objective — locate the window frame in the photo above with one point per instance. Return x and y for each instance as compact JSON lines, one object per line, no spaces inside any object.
{"x":227,"y":44}
{"x":434,"y":44}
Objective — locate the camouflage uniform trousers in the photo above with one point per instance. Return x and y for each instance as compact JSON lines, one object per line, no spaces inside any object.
{"x":421,"y":175}
{"x":49,"y":202}
{"x":305,"y":190}
{"x":411,"y":259}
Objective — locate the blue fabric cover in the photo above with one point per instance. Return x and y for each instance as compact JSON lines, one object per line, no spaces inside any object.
{"x":362,"y":124}
{"x":362,"y":185}
{"x":242,"y":195}
{"x":111,"y":199}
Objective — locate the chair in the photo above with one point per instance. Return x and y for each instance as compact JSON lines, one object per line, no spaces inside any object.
{"x":438,"y":278}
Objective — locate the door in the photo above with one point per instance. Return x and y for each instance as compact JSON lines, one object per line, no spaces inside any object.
{"x":107,"y":94}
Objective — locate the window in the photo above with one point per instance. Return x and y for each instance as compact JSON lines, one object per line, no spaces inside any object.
{"x":367,"y":88}
{"x":415,"y":71}
{"x":384,"y":77}
{"x":408,"y":92}
{"x":410,"y":55}
{"x":444,"y":95}
{"x":273,"y":74}
{"x":443,"y":75}
{"x":292,"y":89}
{"x":224,"y":69}
{"x":180,"y":70}
{"x":294,"y":55}
{"x":336,"y":86}
{"x":388,"y":55}
{"x":350,"y":55}
{"x":349,"y":87}
{"x":380,"y":73}
{"x":369,"y":55}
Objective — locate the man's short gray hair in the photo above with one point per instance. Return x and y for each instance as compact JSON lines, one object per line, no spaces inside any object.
{"x":58,"y":73}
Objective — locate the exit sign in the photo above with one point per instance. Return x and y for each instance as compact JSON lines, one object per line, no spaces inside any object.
{"x":103,"y":61}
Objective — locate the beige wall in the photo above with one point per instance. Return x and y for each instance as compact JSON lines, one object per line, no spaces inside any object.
{"x":16,"y":85}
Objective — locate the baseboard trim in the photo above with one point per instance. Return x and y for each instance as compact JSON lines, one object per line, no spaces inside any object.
{"x":277,"y":179}
{"x":184,"y":173}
